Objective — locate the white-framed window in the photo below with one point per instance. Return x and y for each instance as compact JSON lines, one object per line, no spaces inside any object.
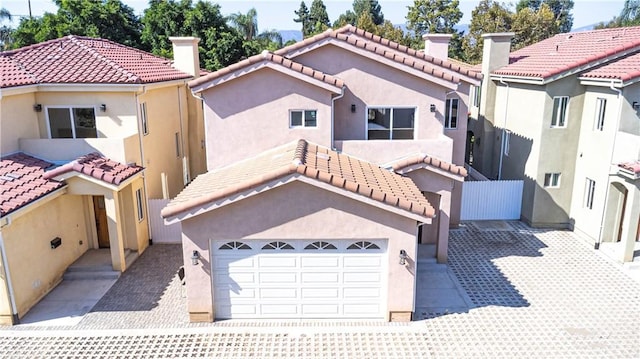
{"x":601,"y":107}
{"x":552,"y":180}
{"x":560,"y":105}
{"x":451,"y":113}
{"x":507,"y":142}
{"x":589,"y":192}
{"x":71,"y":122}
{"x":140,"y":204}
{"x":144,"y":123}
{"x":475,"y":96}
{"x":390,"y":123}
{"x":303,"y":118}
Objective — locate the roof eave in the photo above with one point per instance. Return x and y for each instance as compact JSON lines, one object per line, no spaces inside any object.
{"x":36,"y":203}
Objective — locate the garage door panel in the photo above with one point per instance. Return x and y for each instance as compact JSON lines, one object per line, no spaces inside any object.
{"x":321,"y":309}
{"x":279,"y":308}
{"x":363,"y":261}
{"x":222,"y":263}
{"x":327,"y":261}
{"x":237,"y":309}
{"x":278,"y":277}
{"x":314,"y":293}
{"x":278,"y":293}
{"x":359,"y":293}
{"x":362,"y":277}
{"x":277,"y":261}
{"x":359,"y":309}
{"x":321,"y":277}
{"x":235,"y":278}
{"x":227,"y":295}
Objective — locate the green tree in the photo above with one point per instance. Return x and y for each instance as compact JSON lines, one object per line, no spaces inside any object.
{"x":108,"y":19}
{"x":561,"y":10}
{"x":488,"y":17}
{"x":433,"y":16}
{"x":369,"y":6}
{"x":6,"y":32}
{"x":533,"y":26}
{"x":304,"y":19}
{"x":349,"y":17}
{"x":220,"y":45}
{"x":246,"y":24}
{"x":629,"y":16}
{"x":318,"y":17}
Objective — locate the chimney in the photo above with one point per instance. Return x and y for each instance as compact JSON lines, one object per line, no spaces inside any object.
{"x":495,"y":52}
{"x":437,"y":45}
{"x":185,"y":55}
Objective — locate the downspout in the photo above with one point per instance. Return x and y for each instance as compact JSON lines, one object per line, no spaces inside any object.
{"x":504,"y":128}
{"x":5,"y":265}
{"x":615,"y":134}
{"x":203,"y":143}
{"x":144,"y":176}
{"x":186,"y":176}
{"x":333,"y":110}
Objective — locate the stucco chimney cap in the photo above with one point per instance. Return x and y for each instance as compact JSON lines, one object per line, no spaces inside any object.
{"x":435,"y":37}
{"x":498,"y":36}
{"x":179,"y":39}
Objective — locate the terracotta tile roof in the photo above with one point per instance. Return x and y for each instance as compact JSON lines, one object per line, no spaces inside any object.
{"x":633,"y":167}
{"x":431,"y":161}
{"x":77,"y":59}
{"x":565,"y":52}
{"x":624,"y":69}
{"x":98,"y":167}
{"x":22,"y":181}
{"x":309,"y":160}
{"x":267,"y":56}
{"x":389,"y":49}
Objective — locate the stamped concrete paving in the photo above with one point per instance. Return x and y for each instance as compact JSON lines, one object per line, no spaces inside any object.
{"x":535,"y":293}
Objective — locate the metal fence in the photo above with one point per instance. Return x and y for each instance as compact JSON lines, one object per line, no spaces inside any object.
{"x":491,"y":200}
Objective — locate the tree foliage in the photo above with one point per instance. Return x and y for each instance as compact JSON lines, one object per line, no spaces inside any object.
{"x":318,"y":17}
{"x":488,"y":17}
{"x":561,"y":10}
{"x":108,"y":19}
{"x":433,"y":16}
{"x":6,"y":32}
{"x":629,"y":16}
{"x":303,"y":18}
{"x":534,"y":26}
{"x":245,"y":24}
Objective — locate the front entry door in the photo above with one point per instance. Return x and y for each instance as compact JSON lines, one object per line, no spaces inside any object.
{"x":101,"y":221}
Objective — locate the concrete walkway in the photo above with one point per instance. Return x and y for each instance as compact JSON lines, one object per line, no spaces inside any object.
{"x":534,"y":293}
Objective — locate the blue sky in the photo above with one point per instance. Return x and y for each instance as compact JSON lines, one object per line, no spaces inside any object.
{"x":278,"y":14}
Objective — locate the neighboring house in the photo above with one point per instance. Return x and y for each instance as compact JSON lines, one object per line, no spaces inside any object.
{"x":562,"y":115}
{"x":101,"y":110}
{"x":354,"y":98}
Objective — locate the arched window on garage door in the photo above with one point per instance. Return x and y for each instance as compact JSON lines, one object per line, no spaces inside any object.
{"x":277,"y":245}
{"x":320,"y":245}
{"x":234,"y":245}
{"x":363,"y":245}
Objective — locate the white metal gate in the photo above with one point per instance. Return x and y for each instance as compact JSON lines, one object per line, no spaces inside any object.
{"x":491,"y":200}
{"x":160,"y":232}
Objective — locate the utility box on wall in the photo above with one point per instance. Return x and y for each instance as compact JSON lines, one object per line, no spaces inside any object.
{"x":56,"y":242}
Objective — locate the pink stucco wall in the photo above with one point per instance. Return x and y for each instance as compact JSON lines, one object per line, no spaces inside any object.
{"x":250,"y":114}
{"x":299,"y":211}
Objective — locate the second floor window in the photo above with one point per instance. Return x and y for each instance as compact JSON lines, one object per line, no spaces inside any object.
{"x":451,"y":114}
{"x":303,"y":118}
{"x":144,"y":123}
{"x":601,"y":106}
{"x":589,"y":193}
{"x":72,"y":122}
{"x":552,"y":180}
{"x":388,"y":123}
{"x":560,"y":105}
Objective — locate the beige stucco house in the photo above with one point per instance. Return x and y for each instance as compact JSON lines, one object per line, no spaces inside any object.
{"x":562,"y":115}
{"x":96,"y":109}
{"x":351,"y":96}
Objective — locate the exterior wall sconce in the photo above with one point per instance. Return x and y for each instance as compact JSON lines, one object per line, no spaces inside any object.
{"x":56,"y":242}
{"x":194,"y":258}
{"x":403,"y":257}
{"x":103,"y":107}
{"x":353,"y":108}
{"x":635,"y":105}
{"x":37,"y":107}
{"x":432,"y":108}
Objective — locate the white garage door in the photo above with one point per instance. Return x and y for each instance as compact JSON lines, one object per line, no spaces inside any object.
{"x":299,"y":278}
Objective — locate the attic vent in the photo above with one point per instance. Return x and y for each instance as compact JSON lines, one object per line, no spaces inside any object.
{"x":323,"y":156}
{"x":10,"y":176}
